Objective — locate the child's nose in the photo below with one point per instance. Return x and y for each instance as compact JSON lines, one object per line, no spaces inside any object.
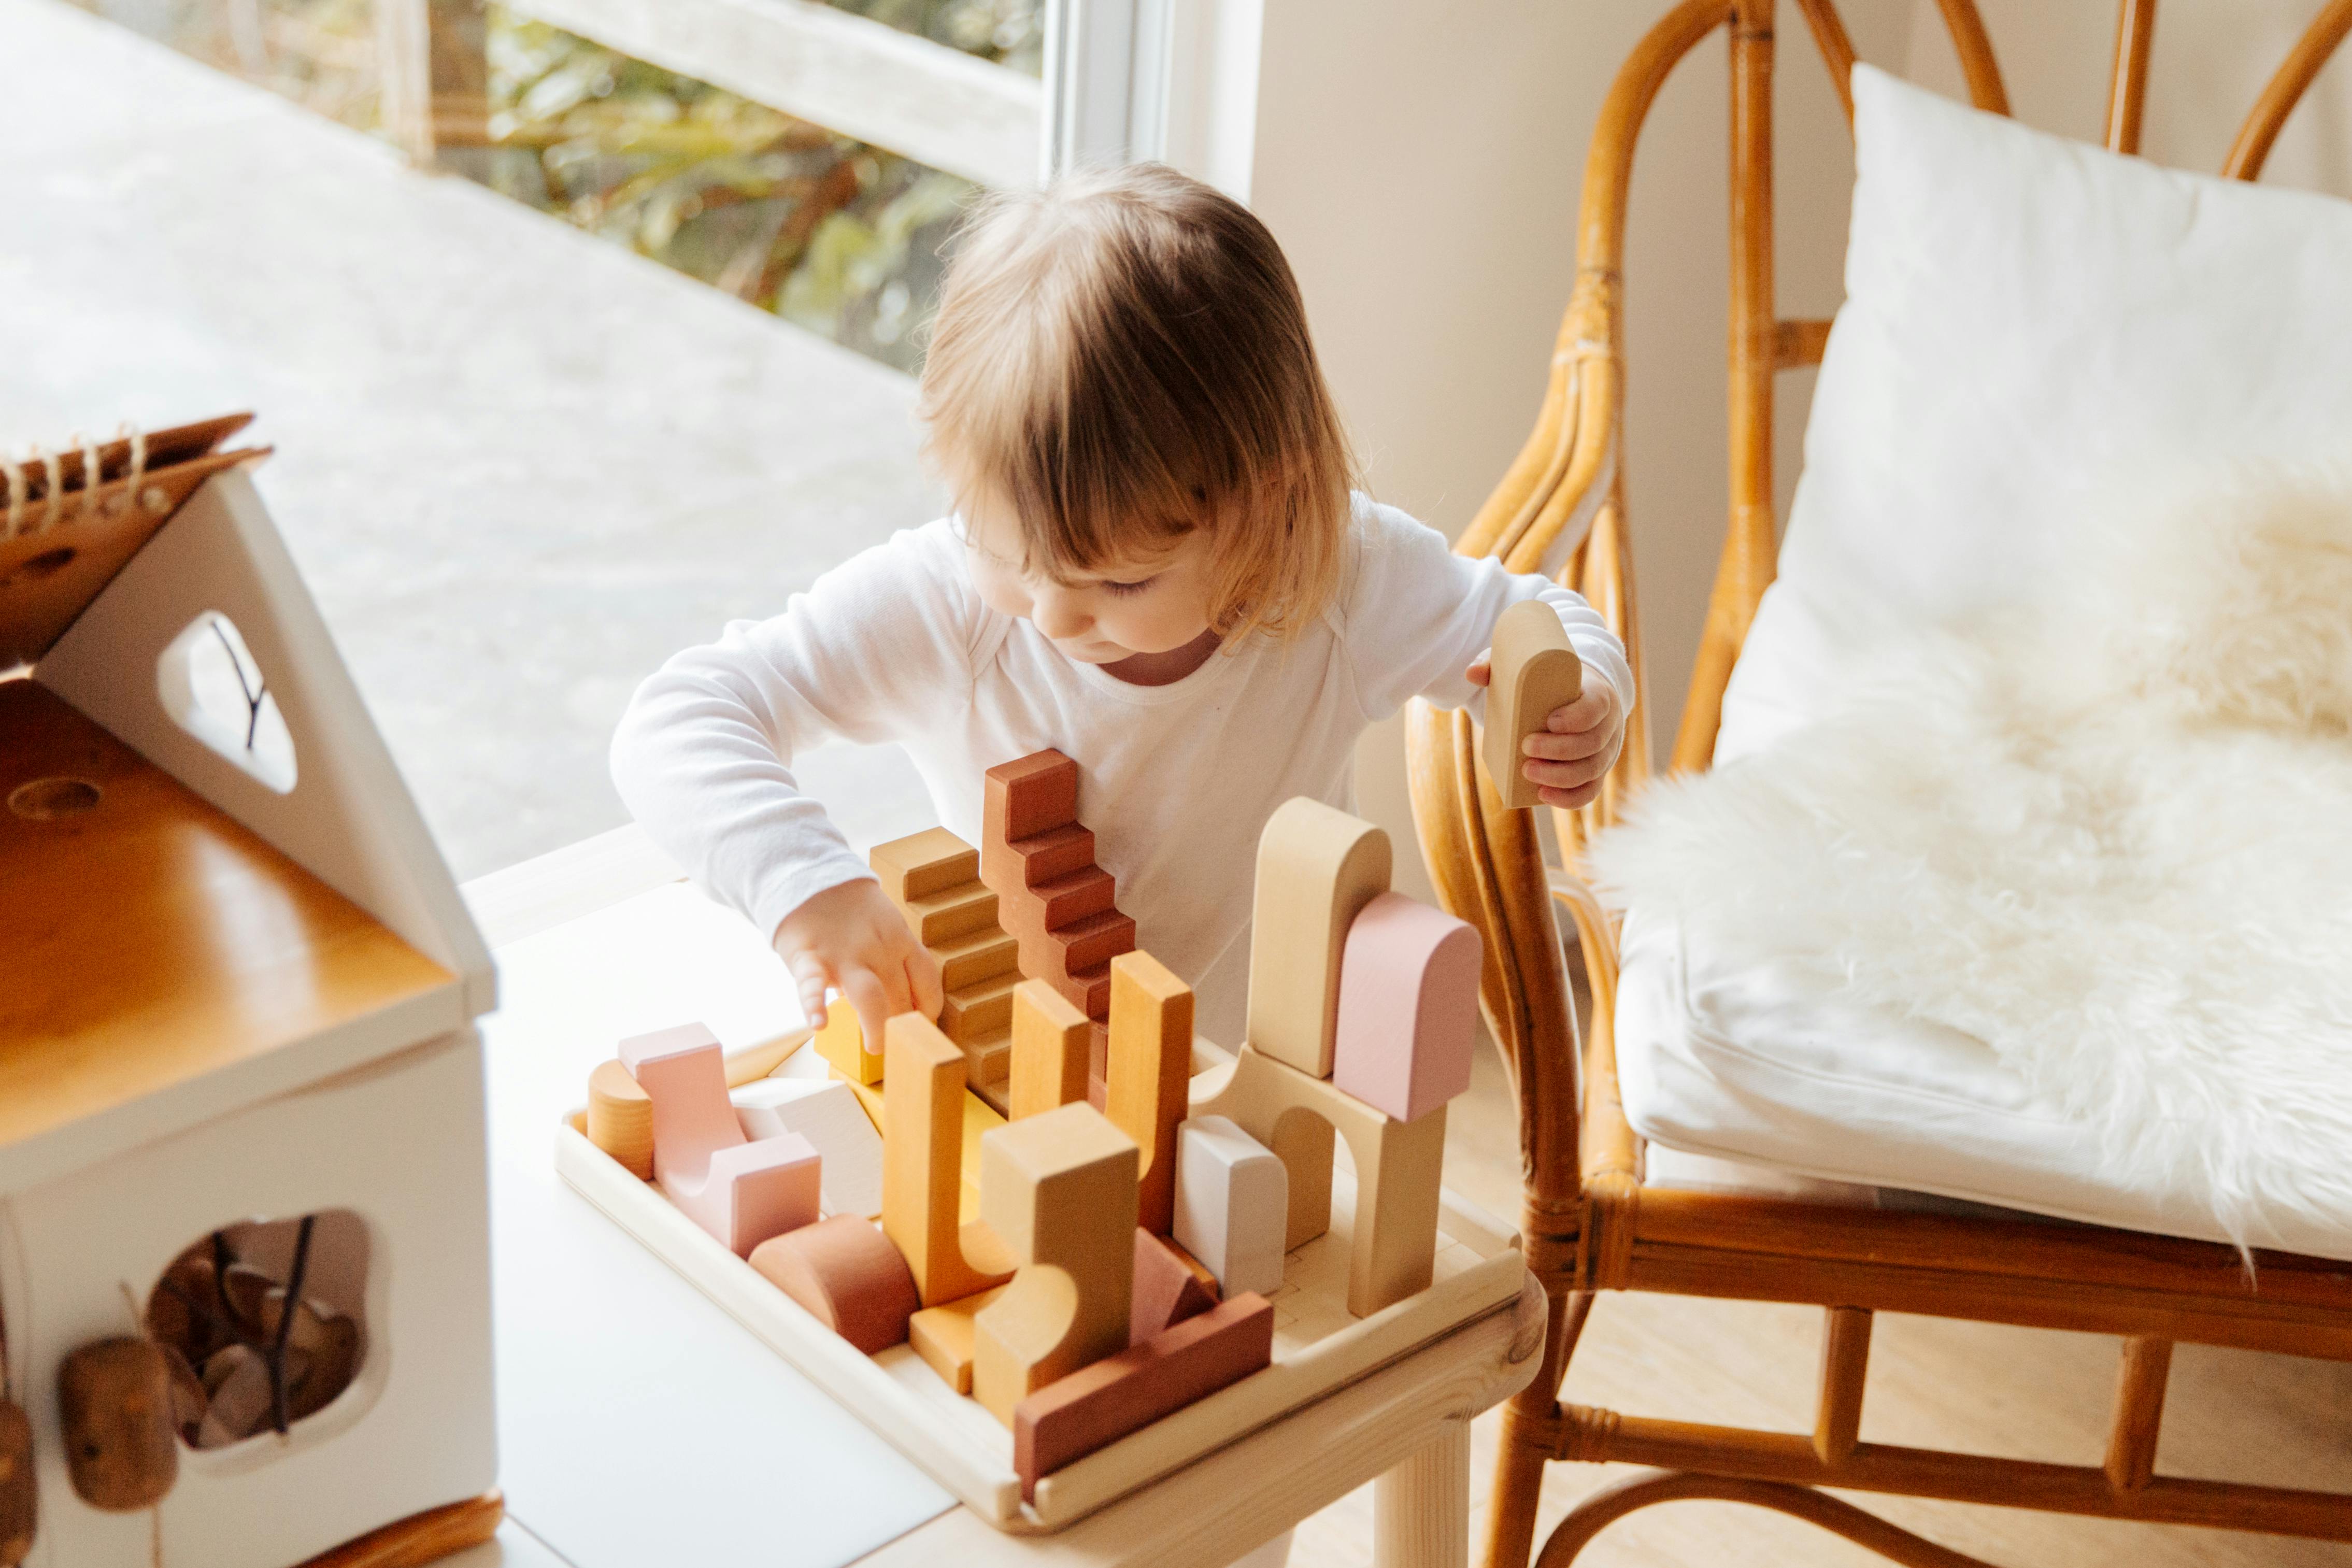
{"x":1059,"y":614}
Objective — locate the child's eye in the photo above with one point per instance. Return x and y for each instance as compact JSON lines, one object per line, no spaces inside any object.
{"x":1122,"y":590}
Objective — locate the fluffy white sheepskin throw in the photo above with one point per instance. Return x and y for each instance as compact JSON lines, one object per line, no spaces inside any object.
{"x":2110,"y":838}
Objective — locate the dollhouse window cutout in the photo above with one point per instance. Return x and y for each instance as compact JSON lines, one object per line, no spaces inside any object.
{"x":215,"y":689}
{"x":241,"y":1366}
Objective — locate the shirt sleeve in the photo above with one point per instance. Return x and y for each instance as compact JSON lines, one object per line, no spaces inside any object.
{"x":1417,"y":615}
{"x":876,"y":647}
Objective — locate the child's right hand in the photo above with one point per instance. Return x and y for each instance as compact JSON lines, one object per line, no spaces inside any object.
{"x":852,"y":938}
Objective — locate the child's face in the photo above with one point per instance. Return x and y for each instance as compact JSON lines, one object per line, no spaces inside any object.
{"x":1142,"y":603}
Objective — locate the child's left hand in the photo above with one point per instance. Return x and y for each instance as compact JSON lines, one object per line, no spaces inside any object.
{"x":1578,"y":746}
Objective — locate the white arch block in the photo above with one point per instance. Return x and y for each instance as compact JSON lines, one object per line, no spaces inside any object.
{"x":1232,"y":1204}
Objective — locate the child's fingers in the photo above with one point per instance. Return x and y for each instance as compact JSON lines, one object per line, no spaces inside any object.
{"x":1551,"y":748}
{"x":923,"y":982}
{"x":1481,"y":670}
{"x":1589,"y":710}
{"x":809,"y":978}
{"x":867,"y":993}
{"x":1565,"y":776}
{"x":1572,"y":799}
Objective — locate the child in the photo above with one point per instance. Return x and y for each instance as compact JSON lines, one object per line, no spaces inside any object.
{"x":1155,"y":565}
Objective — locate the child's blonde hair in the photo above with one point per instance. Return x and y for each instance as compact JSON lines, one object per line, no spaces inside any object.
{"x":1123,"y":357}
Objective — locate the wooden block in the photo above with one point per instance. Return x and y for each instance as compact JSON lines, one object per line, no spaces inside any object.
{"x":842,"y":1043}
{"x":1043,"y":856}
{"x":1030,"y":795}
{"x":983,"y":955}
{"x":1166,"y":1290}
{"x":826,"y":1113}
{"x":1086,"y":942}
{"x":19,"y":1496}
{"x":980,"y":1008}
{"x":1053,"y":904}
{"x":621,"y":1119}
{"x":869,"y":1098}
{"x":1535,"y":671}
{"x":1397,"y":1168}
{"x":114,"y":1405}
{"x":1408,"y":1007}
{"x":988,"y":1061}
{"x":922,"y":864}
{"x":923,"y":1127}
{"x":1049,"y":1050}
{"x":1088,"y":991}
{"x":1150,"y":1074}
{"x":1232,"y":1204}
{"x":1094,"y":1408}
{"x":967,"y":907}
{"x":1316,"y":869}
{"x":1059,"y":1189}
{"x":741,"y":1192}
{"x":942,"y":1336}
{"x":847,"y":1276}
{"x":1199,"y":1271}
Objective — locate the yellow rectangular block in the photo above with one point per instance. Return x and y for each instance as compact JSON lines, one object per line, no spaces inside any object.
{"x":1050,"y":1049}
{"x":843,"y":1045}
{"x":942,"y":1336}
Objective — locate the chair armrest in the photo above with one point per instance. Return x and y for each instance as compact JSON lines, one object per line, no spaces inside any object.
{"x":1609,"y":1152}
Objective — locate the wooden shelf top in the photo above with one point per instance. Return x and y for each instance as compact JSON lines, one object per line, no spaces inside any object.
{"x":146,"y":938}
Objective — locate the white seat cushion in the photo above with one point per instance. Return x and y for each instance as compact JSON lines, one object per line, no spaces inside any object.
{"x":2026,"y":318}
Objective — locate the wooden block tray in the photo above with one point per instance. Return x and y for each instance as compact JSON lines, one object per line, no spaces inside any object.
{"x":1319,"y":1347}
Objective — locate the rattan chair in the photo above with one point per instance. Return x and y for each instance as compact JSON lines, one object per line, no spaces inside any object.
{"x":1589,"y":1223}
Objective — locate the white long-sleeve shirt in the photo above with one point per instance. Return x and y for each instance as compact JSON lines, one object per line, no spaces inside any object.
{"x":1176,"y":780}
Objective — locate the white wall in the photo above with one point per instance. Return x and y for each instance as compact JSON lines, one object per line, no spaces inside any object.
{"x":1421,"y":165}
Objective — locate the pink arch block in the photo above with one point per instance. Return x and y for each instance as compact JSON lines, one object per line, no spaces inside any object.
{"x":738,"y":1191}
{"x":1408,"y":1007}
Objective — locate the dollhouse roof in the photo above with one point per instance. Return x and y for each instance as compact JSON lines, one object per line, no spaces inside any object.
{"x":199,"y":914}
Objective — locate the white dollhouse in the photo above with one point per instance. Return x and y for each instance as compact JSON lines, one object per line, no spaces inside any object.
{"x":241,"y":1105}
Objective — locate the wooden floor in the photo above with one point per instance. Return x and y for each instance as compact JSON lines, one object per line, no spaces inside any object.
{"x":2231,"y":1414}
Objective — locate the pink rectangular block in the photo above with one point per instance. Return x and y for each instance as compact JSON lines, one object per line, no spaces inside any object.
{"x":1408,"y":1007}
{"x":738,"y":1191}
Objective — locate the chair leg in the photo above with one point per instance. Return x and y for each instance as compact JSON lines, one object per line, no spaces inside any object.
{"x":1529,"y":1421}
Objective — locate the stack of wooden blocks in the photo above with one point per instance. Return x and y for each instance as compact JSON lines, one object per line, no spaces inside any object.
{"x":1130,"y":1224}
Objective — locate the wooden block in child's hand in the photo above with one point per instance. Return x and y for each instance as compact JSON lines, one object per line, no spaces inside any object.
{"x":1408,"y":1007}
{"x":1097,"y":1406}
{"x":1167,"y":1291}
{"x":942,"y":1336}
{"x":845,"y":1274}
{"x":841,"y":1041}
{"x":1316,"y":867}
{"x":1535,"y":671}
{"x":1232,"y":1199}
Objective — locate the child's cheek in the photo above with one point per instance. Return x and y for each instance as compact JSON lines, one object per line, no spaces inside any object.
{"x":999,"y":589}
